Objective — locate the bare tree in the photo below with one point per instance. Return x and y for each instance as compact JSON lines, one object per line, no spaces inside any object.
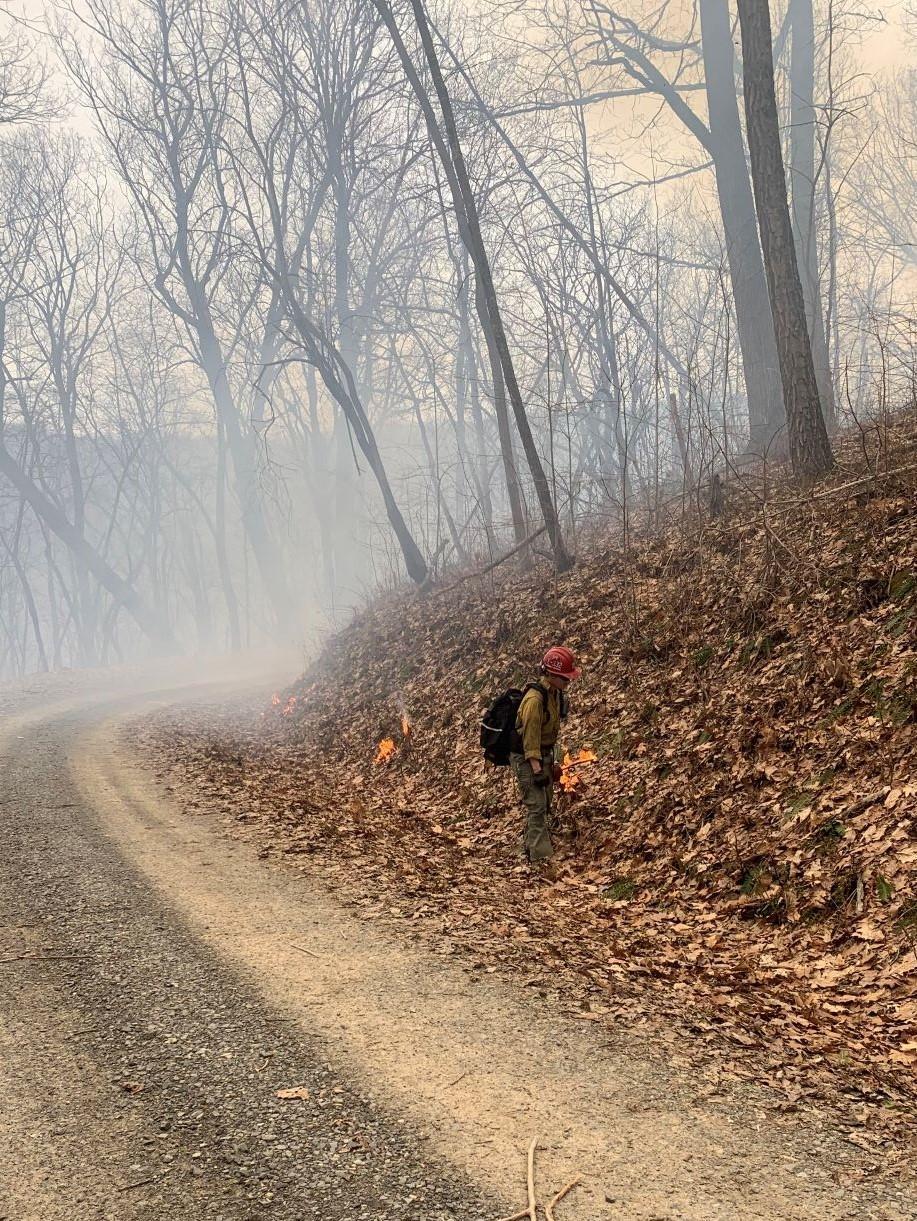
{"x":24,"y":80}
{"x":804,"y":186}
{"x":721,"y":138}
{"x":155,"y":93}
{"x":282,"y":199}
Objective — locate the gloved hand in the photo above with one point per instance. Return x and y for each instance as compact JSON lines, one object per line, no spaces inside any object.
{"x":556,"y":771}
{"x":542,"y":778}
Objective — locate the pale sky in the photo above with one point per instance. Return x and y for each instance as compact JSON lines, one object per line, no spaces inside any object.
{"x":622,"y":126}
{"x":886,"y":47}
{"x":889,"y":46}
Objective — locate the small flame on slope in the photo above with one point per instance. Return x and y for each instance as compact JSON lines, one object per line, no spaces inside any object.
{"x":568,"y":781}
{"x":385,"y":751}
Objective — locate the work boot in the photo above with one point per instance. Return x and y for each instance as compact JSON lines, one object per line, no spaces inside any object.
{"x":547,"y":870}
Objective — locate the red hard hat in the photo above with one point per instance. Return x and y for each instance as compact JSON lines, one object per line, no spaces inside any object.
{"x":560,"y":661}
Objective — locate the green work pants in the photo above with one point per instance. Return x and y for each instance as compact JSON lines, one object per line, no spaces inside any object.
{"x":537,"y":800}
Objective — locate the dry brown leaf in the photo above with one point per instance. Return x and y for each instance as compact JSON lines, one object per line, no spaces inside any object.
{"x":293,"y":1093}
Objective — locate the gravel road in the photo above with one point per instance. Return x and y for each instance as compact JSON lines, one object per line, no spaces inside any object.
{"x":138,"y":1070}
{"x":159,"y":985}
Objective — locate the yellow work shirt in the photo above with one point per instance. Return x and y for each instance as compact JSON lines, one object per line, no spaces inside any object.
{"x":538,"y":721}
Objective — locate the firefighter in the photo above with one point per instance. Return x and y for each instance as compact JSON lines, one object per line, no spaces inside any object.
{"x":536,"y":767}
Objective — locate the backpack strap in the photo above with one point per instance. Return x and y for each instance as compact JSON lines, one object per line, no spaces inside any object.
{"x":563,"y":705}
{"x":542,"y":692}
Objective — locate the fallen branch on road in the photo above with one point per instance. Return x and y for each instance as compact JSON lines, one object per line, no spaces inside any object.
{"x":139,"y":1183}
{"x":302,"y":949}
{"x":531,"y":1212}
{"x":550,"y":1206}
{"x":533,"y":1207}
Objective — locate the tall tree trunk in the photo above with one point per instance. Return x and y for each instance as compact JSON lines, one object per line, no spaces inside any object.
{"x":443,"y":504}
{"x":510,"y":473}
{"x":513,"y":486}
{"x":802,"y":188}
{"x":347,"y":564}
{"x":320,"y":482}
{"x":758,"y":345}
{"x":810,"y":450}
{"x":219,"y":539}
{"x":683,"y":442}
{"x":245,"y":475}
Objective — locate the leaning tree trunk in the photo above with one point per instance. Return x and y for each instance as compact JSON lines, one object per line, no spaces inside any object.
{"x":757,"y":343}
{"x":810,"y":450}
{"x":802,"y":184}
{"x":453,"y":162}
{"x":339,"y":382}
{"x":513,"y":486}
{"x":562,"y":559}
{"x":85,"y":555}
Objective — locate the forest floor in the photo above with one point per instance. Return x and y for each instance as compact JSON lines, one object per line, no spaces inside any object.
{"x":190,"y":1030}
{"x":738,"y":864}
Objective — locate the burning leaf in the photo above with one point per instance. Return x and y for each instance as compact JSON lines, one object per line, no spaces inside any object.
{"x":386,"y":750}
{"x":569,"y":782}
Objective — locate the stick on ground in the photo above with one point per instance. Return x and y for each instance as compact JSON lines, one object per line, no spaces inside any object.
{"x":302,"y":949}
{"x":139,"y":1183}
{"x":533,"y":1207}
{"x":549,"y":1207}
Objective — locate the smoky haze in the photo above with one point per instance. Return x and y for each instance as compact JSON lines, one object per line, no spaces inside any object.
{"x":264,"y":352}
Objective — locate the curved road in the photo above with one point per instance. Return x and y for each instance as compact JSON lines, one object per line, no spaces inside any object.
{"x":159,"y":985}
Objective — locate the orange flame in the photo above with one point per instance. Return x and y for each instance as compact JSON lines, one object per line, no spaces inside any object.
{"x":406,"y":726}
{"x":288,"y":706}
{"x":275,"y":699}
{"x":385,"y":751}
{"x":569,"y":782}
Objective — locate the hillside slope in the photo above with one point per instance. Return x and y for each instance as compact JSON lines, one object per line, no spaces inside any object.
{"x":742,"y":856}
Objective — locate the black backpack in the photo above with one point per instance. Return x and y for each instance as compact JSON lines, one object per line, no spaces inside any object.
{"x":499,"y":737}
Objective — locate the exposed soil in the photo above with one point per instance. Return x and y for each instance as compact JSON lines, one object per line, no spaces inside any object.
{"x":192,"y":980}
